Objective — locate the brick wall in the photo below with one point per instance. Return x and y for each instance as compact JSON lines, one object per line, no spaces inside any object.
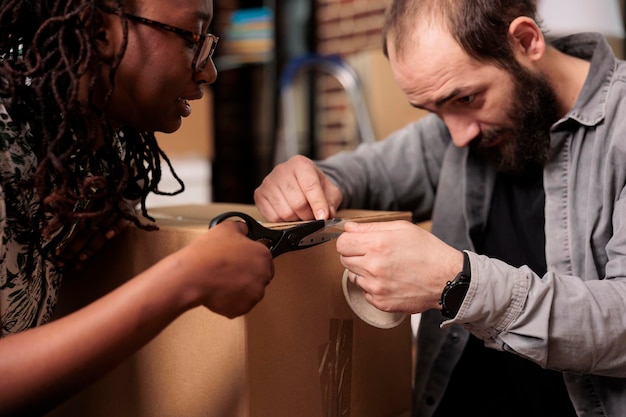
{"x":347,"y":28}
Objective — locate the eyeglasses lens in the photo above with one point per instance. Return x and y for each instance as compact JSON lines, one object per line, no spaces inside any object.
{"x":207,"y":48}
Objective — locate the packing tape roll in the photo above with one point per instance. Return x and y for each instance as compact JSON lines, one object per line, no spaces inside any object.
{"x":364,"y":310}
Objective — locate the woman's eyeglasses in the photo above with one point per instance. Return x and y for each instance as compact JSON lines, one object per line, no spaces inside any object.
{"x":205,"y":42}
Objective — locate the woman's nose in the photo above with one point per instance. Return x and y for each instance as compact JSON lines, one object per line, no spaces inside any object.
{"x":208,"y":75}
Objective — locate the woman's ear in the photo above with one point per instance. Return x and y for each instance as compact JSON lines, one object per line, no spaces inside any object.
{"x":108,"y":36}
{"x":527,"y":39}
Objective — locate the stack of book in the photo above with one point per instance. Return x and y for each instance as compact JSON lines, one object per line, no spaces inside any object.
{"x":249,"y":37}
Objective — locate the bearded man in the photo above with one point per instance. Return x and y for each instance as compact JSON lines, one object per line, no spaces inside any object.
{"x":521,"y":167}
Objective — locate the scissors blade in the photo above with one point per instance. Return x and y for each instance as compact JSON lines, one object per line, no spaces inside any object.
{"x":331,"y":230}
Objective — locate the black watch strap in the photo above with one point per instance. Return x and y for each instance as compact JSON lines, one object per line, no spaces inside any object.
{"x":454,"y":292}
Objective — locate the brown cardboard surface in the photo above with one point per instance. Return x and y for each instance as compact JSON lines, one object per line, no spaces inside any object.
{"x":300,"y":352}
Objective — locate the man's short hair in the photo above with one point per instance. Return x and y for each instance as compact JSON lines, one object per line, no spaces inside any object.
{"x":479,"y":26}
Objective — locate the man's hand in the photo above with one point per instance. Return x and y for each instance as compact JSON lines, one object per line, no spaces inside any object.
{"x":401,"y":267}
{"x":297,"y":190}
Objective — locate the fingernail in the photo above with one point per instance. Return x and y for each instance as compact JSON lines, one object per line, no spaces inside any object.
{"x":110,"y":234}
{"x":320,"y":215}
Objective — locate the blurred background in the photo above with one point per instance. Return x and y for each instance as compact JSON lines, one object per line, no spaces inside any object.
{"x":309,"y":77}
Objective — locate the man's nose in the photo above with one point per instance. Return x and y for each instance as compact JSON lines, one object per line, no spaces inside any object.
{"x":462,"y":129}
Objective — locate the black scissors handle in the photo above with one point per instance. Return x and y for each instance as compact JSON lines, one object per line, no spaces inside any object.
{"x":278,"y":241}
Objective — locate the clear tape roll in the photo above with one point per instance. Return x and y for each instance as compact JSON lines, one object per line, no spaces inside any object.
{"x":355,"y":298}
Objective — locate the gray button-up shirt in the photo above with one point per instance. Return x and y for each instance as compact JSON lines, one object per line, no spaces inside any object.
{"x":571,"y":319}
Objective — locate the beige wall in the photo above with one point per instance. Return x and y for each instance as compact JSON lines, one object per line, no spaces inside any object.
{"x":195,"y":137}
{"x":190,"y":150}
{"x":388,"y":106}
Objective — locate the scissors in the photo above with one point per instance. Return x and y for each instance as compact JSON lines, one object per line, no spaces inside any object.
{"x":303,"y":235}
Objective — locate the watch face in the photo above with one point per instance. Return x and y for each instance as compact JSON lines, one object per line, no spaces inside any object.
{"x":455,"y":291}
{"x":453,"y":297}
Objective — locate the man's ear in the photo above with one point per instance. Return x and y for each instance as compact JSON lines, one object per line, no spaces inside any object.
{"x":527,"y":40}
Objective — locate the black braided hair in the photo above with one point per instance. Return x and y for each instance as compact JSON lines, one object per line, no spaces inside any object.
{"x":85,"y":169}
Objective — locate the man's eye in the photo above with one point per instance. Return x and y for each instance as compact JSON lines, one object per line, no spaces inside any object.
{"x":467,"y":99}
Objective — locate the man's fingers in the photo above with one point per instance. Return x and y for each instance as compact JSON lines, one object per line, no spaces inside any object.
{"x":354,"y":227}
{"x":297,"y":190}
{"x":310,"y":182}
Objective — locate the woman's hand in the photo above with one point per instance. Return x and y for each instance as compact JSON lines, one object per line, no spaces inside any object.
{"x":226,"y":270}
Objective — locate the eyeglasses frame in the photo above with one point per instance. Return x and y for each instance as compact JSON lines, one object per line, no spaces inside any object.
{"x":196,"y":38}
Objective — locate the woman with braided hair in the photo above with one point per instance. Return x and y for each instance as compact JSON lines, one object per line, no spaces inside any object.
{"x":83,"y":86}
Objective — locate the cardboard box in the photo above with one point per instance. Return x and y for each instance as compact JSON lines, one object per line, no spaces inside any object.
{"x":301,"y":352}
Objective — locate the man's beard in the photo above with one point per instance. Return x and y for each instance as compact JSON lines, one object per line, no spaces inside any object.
{"x":533,"y":111}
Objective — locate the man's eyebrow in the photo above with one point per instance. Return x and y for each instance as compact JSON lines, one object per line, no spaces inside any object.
{"x":443,"y":100}
{"x":440,"y":102}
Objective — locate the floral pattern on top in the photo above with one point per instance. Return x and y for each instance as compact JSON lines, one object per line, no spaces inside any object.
{"x":29,"y":284}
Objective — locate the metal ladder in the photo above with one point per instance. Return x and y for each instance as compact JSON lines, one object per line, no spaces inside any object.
{"x":332,"y":65}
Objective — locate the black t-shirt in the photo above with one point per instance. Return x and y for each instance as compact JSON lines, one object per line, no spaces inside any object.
{"x":487,"y":382}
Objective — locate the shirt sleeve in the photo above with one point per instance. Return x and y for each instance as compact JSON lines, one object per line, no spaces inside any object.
{"x":399,"y":172}
{"x":573,"y":318}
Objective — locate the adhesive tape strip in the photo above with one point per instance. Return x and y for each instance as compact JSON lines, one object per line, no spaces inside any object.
{"x":364,"y":310}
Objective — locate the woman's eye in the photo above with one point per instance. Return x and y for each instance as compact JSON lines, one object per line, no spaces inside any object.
{"x":191,"y":44}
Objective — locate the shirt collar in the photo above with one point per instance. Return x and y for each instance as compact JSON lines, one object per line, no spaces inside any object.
{"x":590,"y":107}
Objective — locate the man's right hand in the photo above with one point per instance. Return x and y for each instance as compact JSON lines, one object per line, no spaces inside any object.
{"x":297,"y":190}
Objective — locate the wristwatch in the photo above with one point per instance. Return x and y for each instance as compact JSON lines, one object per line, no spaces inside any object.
{"x":454,"y":293}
